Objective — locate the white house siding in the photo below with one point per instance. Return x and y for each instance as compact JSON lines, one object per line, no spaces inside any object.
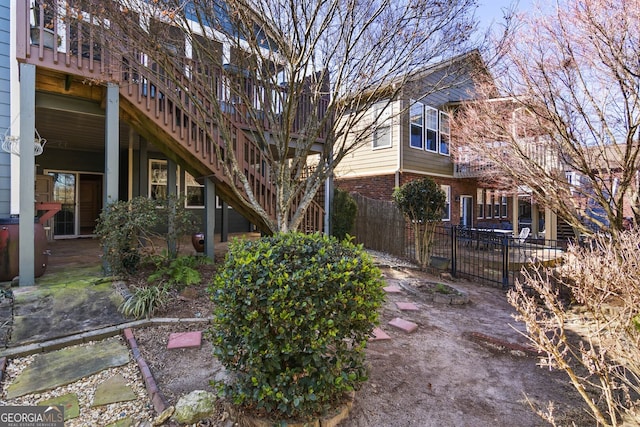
{"x":366,"y":160}
{"x":5,"y":113}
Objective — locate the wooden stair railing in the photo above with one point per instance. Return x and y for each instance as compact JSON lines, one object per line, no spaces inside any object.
{"x":159,"y":108}
{"x":163,"y":111}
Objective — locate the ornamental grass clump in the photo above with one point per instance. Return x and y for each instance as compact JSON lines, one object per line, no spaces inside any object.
{"x":293,"y":316}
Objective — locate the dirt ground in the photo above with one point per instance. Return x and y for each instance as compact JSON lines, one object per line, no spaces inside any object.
{"x":465,"y":365}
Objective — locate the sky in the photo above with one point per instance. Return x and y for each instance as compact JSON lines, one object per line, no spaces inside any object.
{"x":489,"y":11}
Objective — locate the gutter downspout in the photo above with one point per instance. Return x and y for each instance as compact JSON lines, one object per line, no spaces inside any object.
{"x":400,"y":144}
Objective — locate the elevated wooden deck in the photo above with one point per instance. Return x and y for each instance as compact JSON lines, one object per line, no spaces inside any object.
{"x":77,"y":62}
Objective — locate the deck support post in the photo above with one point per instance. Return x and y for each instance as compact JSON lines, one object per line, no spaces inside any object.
{"x":210,"y":217}
{"x":26,"y":231}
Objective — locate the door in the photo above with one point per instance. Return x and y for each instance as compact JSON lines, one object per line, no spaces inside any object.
{"x":81,"y":197}
{"x":466,"y":211}
{"x":90,"y":202}
{"x":64,"y":192}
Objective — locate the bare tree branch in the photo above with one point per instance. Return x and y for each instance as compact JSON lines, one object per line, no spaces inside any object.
{"x":569,"y":103}
{"x":300,"y":75}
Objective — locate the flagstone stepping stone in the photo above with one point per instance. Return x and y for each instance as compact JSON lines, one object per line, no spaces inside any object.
{"x":378,"y":334}
{"x":70,"y":403}
{"x":114,"y":389}
{"x":185,"y":339}
{"x":61,"y":367}
{"x":405,"y":325}
{"x":408,"y":306}
{"x":392,"y":289}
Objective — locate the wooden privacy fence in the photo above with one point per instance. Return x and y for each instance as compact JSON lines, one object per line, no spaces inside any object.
{"x":380,"y":226}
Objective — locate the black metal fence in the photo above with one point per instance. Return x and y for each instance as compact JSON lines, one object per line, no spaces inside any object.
{"x":491,"y":256}
{"x":485,"y":255}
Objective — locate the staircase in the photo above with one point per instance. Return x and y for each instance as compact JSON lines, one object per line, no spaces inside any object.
{"x":153,"y":108}
{"x":159,"y":109}
{"x":565,"y":231}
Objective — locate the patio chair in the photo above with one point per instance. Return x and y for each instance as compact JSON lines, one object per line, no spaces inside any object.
{"x":524,"y":233}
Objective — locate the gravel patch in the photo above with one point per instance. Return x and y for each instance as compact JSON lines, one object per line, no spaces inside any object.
{"x":137,"y":410}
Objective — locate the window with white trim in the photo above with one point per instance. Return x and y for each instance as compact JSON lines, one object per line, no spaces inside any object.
{"x":480,"y":202}
{"x":417,"y":126}
{"x":382,"y":132}
{"x":428,"y":129}
{"x":503,"y":210}
{"x":194,"y":192}
{"x":431,"y":131}
{"x":496,"y":205}
{"x":444,"y":133}
{"x":489,"y":204}
{"x":158,"y":179}
{"x":446,"y":213}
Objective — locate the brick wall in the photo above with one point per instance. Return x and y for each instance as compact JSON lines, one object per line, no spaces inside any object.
{"x":381,"y":188}
{"x":378,"y":187}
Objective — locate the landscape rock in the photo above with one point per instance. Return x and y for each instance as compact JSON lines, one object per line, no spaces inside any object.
{"x":164,"y":416}
{"x":195,"y":406}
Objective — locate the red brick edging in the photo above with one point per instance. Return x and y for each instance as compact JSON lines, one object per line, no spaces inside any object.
{"x":3,"y":367}
{"x":158,"y":400}
{"x":509,"y":346}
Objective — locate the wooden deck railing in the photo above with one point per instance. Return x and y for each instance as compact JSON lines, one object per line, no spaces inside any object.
{"x":164,"y":108}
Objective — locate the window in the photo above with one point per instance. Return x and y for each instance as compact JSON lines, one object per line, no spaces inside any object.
{"x":503,"y":212}
{"x":382,"y":133}
{"x":444,"y":133}
{"x":496,"y":205}
{"x":489,"y":208}
{"x":480,"y":201}
{"x":158,"y":179}
{"x":428,"y":129}
{"x":417,"y":125}
{"x":432,"y":129}
{"x":382,"y":137}
{"x":194,"y":192}
{"x":446,"y":214}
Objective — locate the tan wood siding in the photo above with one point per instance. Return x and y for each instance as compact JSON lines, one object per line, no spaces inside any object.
{"x":366,"y":160}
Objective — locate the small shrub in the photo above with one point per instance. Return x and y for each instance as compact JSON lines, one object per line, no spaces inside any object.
{"x":343,"y":215}
{"x":126,"y":227}
{"x":181,"y":271}
{"x":422,"y":202}
{"x":120,"y":226}
{"x":293,"y":315}
{"x":145,"y":301}
{"x":443,"y":289}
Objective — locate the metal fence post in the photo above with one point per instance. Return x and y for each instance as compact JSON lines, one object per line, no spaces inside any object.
{"x":505,"y":263}
{"x":454,"y":252}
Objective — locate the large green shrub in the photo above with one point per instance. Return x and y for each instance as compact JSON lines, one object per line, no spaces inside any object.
{"x":343,"y":214}
{"x":293,"y":316}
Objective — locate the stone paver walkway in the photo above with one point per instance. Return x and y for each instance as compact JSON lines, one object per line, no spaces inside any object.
{"x":61,"y":367}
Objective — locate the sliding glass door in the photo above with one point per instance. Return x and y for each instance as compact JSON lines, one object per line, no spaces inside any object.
{"x":80,"y":195}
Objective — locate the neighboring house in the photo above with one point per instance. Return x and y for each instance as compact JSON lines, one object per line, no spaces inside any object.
{"x":411,"y":141}
{"x":110,"y":133}
{"x":608,"y":167}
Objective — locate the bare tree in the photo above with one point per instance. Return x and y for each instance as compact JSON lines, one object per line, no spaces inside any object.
{"x":597,"y":341}
{"x":300,"y":74}
{"x":565,"y":99}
